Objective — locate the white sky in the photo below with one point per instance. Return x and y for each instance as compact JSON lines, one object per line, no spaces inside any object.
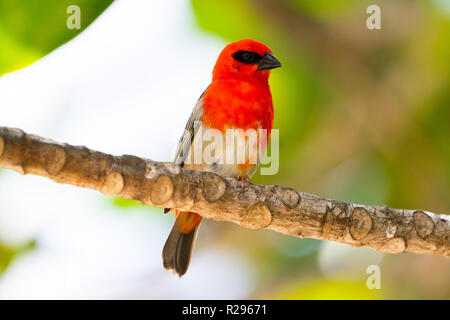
{"x":126,"y":85}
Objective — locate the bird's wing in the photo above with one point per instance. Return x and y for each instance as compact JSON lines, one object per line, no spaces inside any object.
{"x":193,"y":124}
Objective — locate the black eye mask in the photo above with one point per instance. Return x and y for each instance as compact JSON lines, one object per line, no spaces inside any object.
{"x":247,"y":57}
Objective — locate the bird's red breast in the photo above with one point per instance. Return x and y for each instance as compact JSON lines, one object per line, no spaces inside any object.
{"x":232,"y":103}
{"x":239,"y":95}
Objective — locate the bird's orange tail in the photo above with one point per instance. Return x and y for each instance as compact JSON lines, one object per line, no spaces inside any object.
{"x":178,"y":248}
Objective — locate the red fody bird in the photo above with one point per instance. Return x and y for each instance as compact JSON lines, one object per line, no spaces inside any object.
{"x":238,"y":98}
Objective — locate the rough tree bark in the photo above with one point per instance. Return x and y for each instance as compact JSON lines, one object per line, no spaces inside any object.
{"x":252,"y":206}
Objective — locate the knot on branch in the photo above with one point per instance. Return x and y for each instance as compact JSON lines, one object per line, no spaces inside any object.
{"x":423,"y":223}
{"x":113,"y":184}
{"x":213,"y":187}
{"x":288,"y":196}
{"x":361,"y":223}
{"x":56,"y":159}
{"x":257,"y":217}
{"x":394,"y":245}
{"x":162,"y":190}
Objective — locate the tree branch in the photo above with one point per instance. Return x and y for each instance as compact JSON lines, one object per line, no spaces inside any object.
{"x":253,"y":206}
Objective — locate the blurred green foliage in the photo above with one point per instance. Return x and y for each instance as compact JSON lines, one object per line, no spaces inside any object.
{"x":125,"y":203}
{"x":6,"y":256}
{"x":8,"y":253}
{"x":30,"y":29}
{"x":364,"y":116}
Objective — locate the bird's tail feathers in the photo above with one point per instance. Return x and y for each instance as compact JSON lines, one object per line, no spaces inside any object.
{"x":180,"y":243}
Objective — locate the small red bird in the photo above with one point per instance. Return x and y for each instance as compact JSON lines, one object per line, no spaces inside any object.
{"x":238,"y":98}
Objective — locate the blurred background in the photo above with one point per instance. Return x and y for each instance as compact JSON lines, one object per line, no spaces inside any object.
{"x":364,"y":116}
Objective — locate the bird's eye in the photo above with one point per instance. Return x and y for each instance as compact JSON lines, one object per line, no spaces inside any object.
{"x":247,"y":57}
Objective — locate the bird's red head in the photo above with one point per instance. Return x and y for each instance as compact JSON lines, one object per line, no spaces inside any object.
{"x":246,"y":60}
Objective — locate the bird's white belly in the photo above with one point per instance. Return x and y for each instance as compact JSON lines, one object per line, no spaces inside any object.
{"x":231,"y":153}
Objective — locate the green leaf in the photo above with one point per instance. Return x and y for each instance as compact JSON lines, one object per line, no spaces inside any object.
{"x":31,"y":29}
{"x":126,"y":203}
{"x":7,"y":253}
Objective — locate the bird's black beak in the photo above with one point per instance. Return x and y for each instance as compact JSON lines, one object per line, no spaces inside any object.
{"x":268,"y":62}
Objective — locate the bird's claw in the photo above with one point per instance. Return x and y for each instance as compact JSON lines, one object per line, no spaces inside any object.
{"x":242,"y":180}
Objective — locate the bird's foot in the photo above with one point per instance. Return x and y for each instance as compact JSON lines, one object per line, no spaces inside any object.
{"x":242,"y":180}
